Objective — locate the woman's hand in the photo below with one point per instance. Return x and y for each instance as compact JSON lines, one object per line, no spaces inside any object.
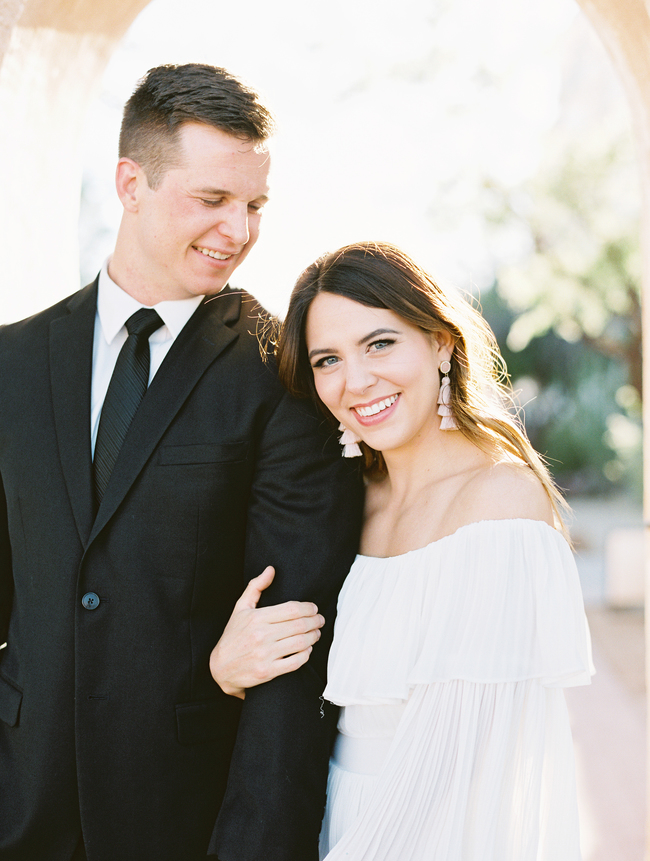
{"x":260,"y":643}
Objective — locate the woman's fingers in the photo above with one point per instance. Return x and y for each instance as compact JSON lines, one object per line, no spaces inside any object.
{"x":253,"y":592}
{"x":260,"y":643}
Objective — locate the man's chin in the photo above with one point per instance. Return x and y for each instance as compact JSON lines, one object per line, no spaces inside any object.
{"x":214,"y":289}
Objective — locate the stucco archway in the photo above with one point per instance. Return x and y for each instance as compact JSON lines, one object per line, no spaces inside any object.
{"x":624,"y":27}
{"x":52,"y":55}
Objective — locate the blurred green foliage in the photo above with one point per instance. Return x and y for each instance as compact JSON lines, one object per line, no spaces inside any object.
{"x":579,"y":409}
{"x":567,"y":312}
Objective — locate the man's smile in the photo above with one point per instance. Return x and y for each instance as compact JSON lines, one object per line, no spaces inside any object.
{"x":217,"y":255}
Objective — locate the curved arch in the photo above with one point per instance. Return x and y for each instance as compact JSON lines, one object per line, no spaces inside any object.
{"x":52,"y":54}
{"x":624,"y":27}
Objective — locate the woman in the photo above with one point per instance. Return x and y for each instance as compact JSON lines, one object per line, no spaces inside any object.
{"x":462,"y":618}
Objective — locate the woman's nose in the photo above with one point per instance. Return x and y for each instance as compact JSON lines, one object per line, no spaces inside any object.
{"x":358,"y":378}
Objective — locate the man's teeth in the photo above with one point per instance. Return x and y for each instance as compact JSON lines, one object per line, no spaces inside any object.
{"x":376,"y":408}
{"x":216,"y":254}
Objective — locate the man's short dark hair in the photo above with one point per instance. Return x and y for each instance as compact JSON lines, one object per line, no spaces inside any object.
{"x":169,"y":96}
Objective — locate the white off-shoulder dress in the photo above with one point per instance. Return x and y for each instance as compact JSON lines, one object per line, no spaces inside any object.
{"x":449,"y":661}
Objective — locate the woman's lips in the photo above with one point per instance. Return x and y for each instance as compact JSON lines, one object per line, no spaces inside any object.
{"x":376,"y":411}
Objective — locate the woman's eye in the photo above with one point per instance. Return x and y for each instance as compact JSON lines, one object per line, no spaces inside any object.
{"x":381,"y":345}
{"x":326,"y":362}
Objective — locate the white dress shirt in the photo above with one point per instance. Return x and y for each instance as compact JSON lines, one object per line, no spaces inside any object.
{"x":114,"y":307}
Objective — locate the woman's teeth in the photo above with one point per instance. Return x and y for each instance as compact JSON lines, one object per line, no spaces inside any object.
{"x":376,"y":408}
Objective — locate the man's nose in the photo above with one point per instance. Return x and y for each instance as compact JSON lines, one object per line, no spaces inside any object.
{"x":234,"y":225}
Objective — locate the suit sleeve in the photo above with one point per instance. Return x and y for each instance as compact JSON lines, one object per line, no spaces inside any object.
{"x":304,"y":518}
{"x":6,"y":578}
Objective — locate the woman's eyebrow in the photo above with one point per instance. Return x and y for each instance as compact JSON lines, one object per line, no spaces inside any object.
{"x":313,"y":353}
{"x":375,"y":333}
{"x":360,"y":343}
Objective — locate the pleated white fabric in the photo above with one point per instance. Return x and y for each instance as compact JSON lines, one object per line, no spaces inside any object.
{"x":454,"y":739}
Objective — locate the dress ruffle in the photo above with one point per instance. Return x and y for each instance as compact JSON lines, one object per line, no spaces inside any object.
{"x":496,"y":601}
{"x":475,"y":772}
{"x":454,"y":740}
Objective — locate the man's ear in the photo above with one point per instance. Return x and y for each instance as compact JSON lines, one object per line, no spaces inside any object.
{"x":129,"y":177}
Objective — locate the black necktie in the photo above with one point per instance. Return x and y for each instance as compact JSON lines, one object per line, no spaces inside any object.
{"x":125,"y":391}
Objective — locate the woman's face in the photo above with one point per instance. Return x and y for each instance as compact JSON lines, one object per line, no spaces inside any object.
{"x":375,"y":372}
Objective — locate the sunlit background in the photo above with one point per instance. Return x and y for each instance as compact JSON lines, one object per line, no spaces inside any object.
{"x":490,"y":141}
{"x":392,"y":123}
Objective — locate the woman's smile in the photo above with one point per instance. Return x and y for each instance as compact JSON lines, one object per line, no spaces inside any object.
{"x":375,"y":411}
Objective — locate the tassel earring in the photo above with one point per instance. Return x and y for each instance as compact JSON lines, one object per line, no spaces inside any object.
{"x":447,"y":422}
{"x":349,"y":440}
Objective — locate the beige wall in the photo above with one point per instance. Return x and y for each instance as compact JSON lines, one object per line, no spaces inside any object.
{"x":624,"y":27}
{"x":52,"y":55}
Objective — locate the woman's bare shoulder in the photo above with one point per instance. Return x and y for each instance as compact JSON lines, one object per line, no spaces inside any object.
{"x":504,"y":491}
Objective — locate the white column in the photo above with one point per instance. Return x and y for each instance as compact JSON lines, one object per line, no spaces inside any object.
{"x":624,"y":27}
{"x":52,"y":55}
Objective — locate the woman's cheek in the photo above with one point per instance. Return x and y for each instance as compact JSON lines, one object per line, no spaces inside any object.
{"x":322,"y":389}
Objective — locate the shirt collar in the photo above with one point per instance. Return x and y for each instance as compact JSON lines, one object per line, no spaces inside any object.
{"x":115,"y":306}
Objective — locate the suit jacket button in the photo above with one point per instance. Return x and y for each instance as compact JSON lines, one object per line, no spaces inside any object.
{"x":90,"y":601}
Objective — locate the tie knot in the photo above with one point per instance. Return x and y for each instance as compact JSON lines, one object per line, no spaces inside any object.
{"x":143,"y":322}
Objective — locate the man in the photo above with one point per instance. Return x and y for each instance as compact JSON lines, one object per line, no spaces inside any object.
{"x":129,"y":528}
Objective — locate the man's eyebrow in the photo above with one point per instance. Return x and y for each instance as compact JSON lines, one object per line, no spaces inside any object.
{"x":209,"y":190}
{"x":224,"y":192}
{"x":360,"y":343}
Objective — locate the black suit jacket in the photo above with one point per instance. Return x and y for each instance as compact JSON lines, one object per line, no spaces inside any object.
{"x":110,"y":722}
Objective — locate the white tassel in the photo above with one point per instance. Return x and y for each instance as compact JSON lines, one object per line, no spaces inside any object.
{"x":447,"y":422}
{"x":444,"y":395}
{"x":349,"y":440}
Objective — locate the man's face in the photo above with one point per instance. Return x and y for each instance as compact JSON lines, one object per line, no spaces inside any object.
{"x":199,"y":224}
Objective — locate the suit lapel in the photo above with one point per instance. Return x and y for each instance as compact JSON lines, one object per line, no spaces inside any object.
{"x":71,"y":348}
{"x":204,"y":337}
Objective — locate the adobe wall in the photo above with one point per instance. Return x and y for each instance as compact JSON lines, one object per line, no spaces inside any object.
{"x":624,"y":27}
{"x":52,"y":55}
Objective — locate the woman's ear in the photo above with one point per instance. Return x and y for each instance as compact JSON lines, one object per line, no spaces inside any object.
{"x":443,"y":346}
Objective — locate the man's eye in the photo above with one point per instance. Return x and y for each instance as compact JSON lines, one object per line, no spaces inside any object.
{"x":212,"y":201}
{"x":256,"y":207}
